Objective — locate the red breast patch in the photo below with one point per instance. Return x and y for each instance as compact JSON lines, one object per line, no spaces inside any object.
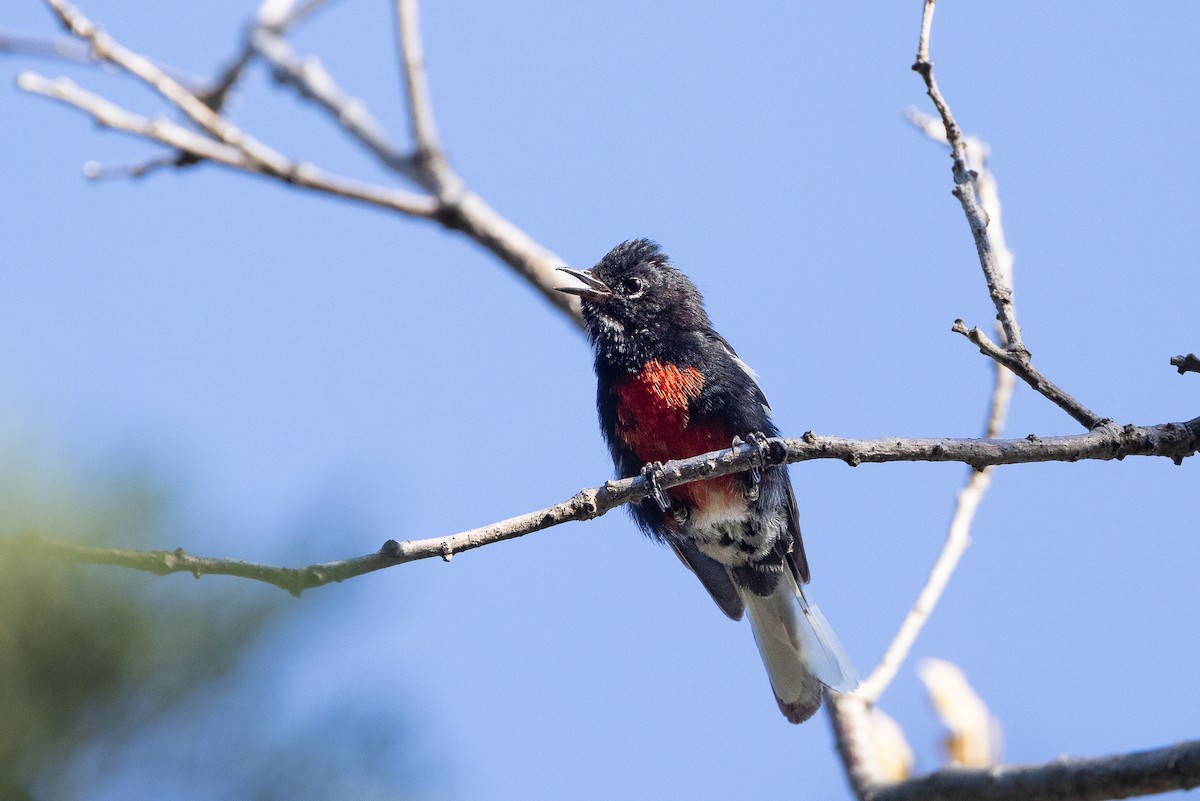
{"x":654,"y":420}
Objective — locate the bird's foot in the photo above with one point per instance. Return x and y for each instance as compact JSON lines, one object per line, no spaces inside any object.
{"x":652,"y":473}
{"x":758,"y":440}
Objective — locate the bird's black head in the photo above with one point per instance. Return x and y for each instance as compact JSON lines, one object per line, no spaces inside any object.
{"x":635,"y":299}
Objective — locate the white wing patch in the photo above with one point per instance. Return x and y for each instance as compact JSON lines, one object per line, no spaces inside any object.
{"x":748,"y":370}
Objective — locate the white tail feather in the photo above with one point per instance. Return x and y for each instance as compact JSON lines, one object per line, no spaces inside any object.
{"x":798,"y":648}
{"x":821,"y":650}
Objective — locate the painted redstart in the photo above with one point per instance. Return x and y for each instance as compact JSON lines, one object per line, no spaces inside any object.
{"x":670,"y":387}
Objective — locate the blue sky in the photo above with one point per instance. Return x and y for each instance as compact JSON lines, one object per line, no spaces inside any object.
{"x":320,"y":377}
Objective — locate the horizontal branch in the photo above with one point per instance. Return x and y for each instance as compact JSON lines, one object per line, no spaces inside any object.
{"x":1174,"y":441}
{"x":1141,"y":773}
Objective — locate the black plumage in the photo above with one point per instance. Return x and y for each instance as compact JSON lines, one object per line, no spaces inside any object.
{"x":669,"y":387}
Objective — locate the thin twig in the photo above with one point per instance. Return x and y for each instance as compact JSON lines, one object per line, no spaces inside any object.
{"x":1030,"y":375}
{"x":73,"y":51}
{"x":200,"y":146}
{"x":416,"y":86}
{"x":1175,"y":441}
{"x":217,"y":93}
{"x":280,"y":16}
{"x":459,"y":209}
{"x":109,"y":49}
{"x":274,"y":17}
{"x":313,"y":82}
{"x":302,"y":11}
{"x":1176,"y":767}
{"x":584,"y":505}
{"x":964,"y":190}
{"x":452,"y":205}
{"x":62,"y":49}
{"x":978,"y":153}
{"x":95,"y":171}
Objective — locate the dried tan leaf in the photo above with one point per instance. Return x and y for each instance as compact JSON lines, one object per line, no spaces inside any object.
{"x":893,"y":756}
{"x":974,"y":738}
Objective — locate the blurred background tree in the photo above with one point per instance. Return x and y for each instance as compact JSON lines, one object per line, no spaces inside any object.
{"x":112,"y":679}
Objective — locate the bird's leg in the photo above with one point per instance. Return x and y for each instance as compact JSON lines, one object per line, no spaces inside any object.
{"x":652,"y":473}
{"x":754,"y":475}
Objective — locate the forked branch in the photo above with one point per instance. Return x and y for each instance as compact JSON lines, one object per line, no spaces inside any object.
{"x":444,"y":199}
{"x":1015,"y":356}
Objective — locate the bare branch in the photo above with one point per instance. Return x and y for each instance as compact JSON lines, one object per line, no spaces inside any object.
{"x":1186,"y":364}
{"x":1014,"y":355}
{"x":965,"y":191}
{"x":73,"y":51}
{"x":1172,"y":440}
{"x":274,"y":18}
{"x":216,"y":94}
{"x":978,"y":153}
{"x":95,"y":171}
{"x":584,"y":505}
{"x":200,"y":146}
{"x":848,"y":716}
{"x":1176,"y":767}
{"x":472,"y":215}
{"x":958,"y":536}
{"x":280,"y":15}
{"x":200,"y":112}
{"x":460,"y":209}
{"x":1175,"y":441}
{"x":302,"y":10}
{"x":452,"y":205}
{"x":62,"y":49}
{"x":957,"y":540}
{"x":1080,"y":780}
{"x":956,"y":543}
{"x":416,"y":85}
{"x":313,"y":82}
{"x":1030,"y":375}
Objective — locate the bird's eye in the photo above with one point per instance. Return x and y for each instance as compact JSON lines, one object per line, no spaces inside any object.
{"x":632,"y":287}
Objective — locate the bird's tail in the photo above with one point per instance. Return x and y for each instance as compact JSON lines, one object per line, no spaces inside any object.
{"x":799,"y":649}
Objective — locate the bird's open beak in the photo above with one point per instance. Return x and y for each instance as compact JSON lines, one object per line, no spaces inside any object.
{"x":595,"y":289}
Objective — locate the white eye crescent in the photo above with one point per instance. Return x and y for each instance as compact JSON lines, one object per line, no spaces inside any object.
{"x":633,"y":287}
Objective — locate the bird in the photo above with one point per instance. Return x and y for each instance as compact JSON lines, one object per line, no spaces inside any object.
{"x":670,"y":387}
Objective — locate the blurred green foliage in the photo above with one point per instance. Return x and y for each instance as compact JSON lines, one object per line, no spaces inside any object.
{"x":115,"y":682}
{"x":90,"y":655}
